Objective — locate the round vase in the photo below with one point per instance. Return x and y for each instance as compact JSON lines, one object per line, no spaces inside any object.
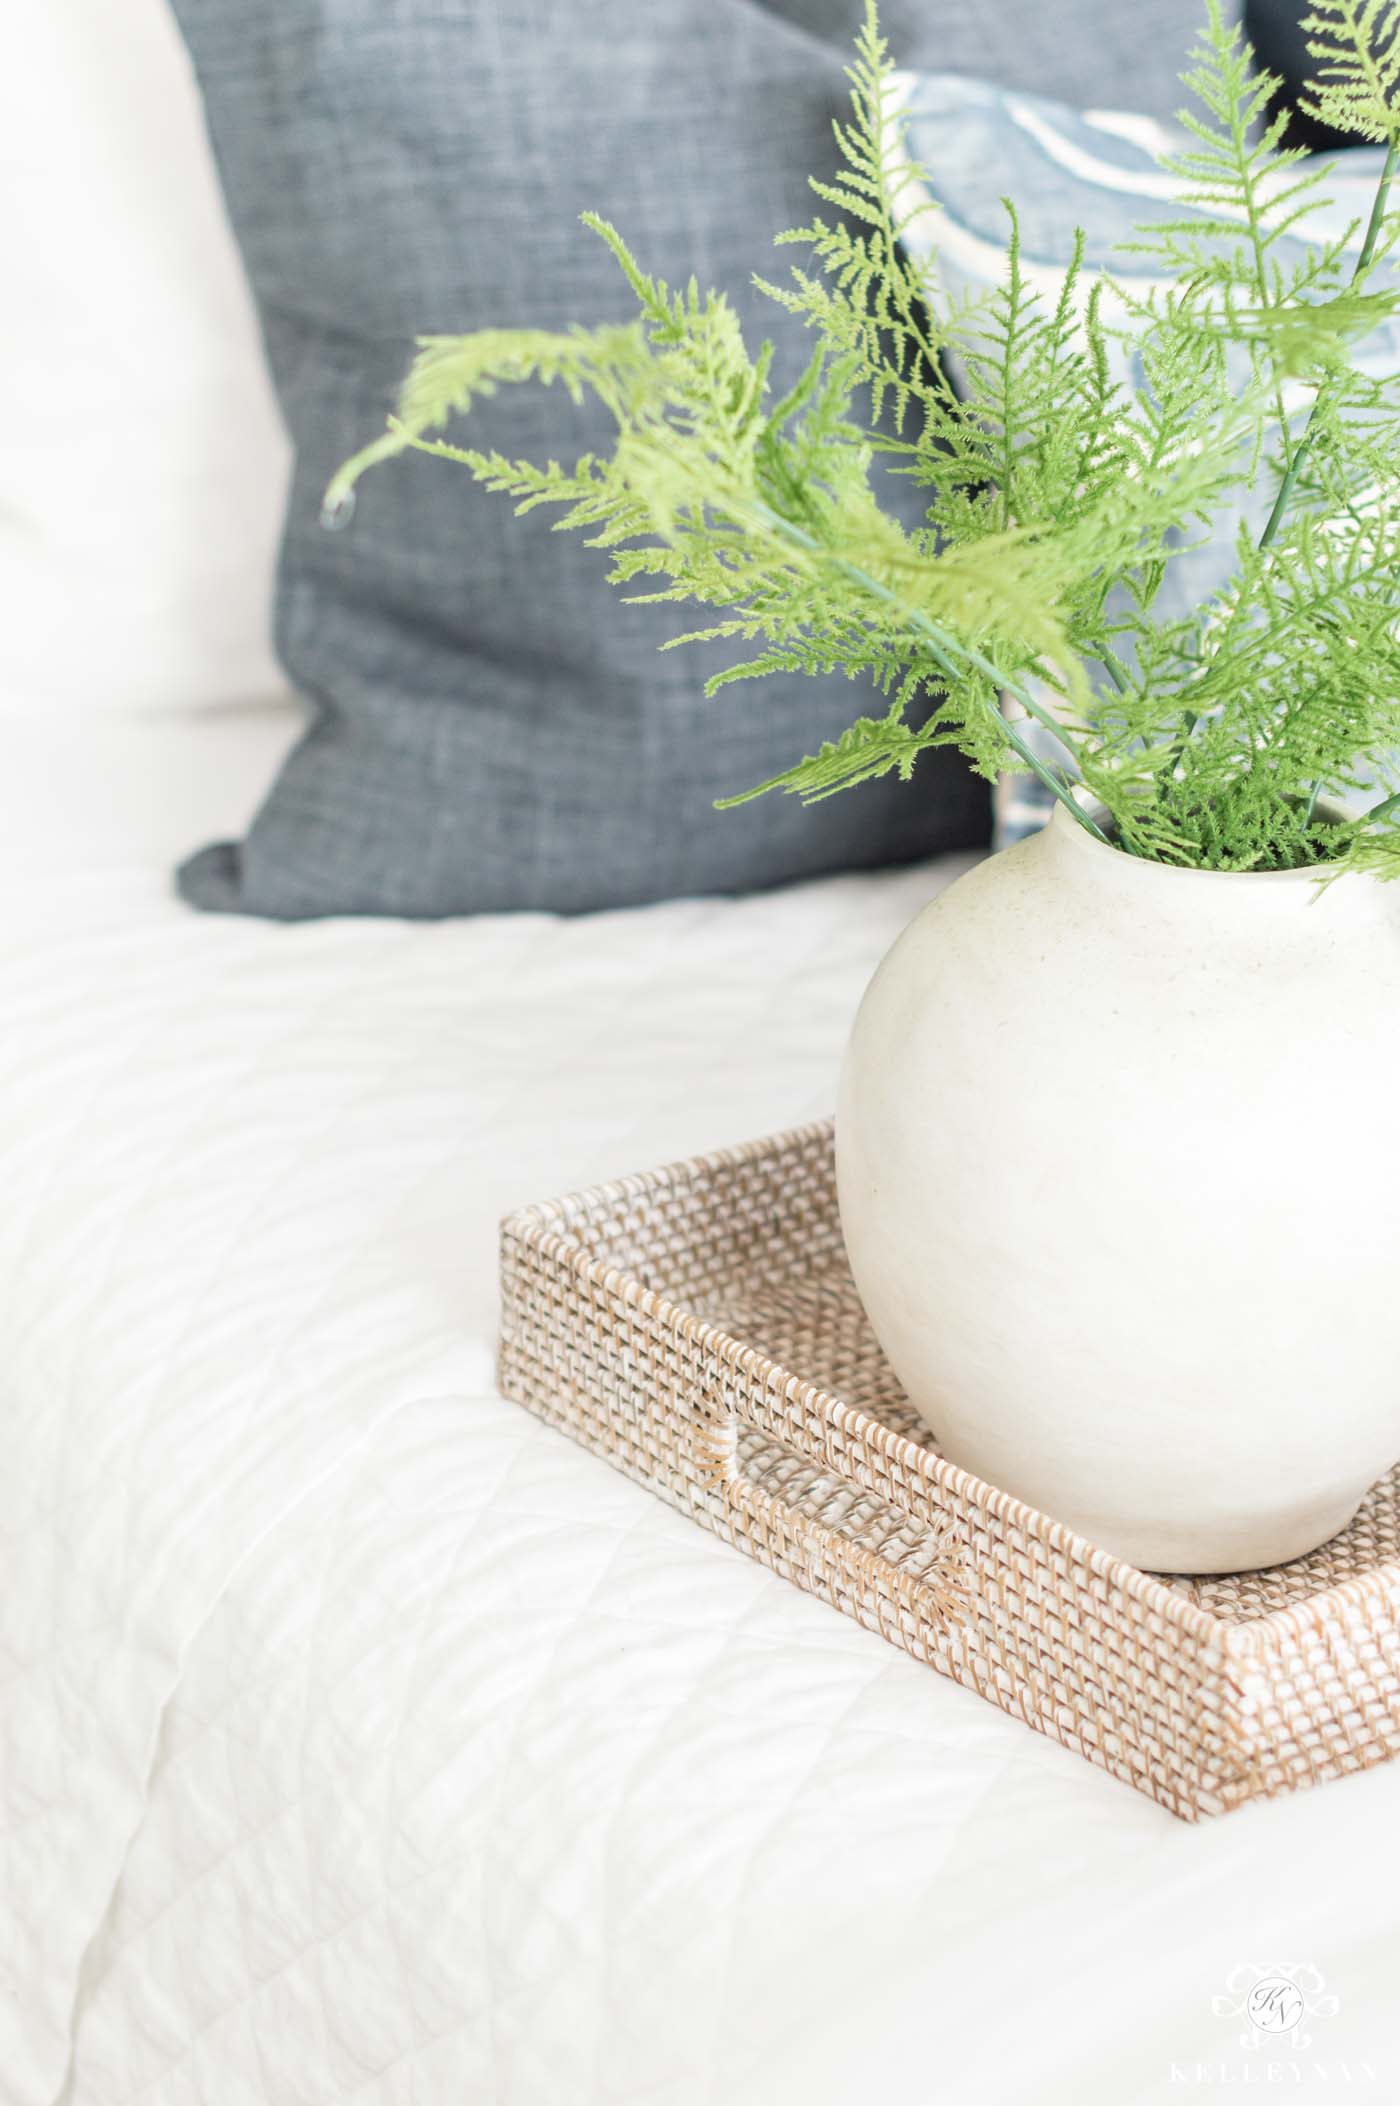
{"x":1119,"y":1173}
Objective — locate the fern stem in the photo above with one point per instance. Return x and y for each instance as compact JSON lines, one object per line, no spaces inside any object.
{"x":1109,"y":661}
{"x":1059,"y":789}
{"x":1008,"y":364}
{"x":1303,"y":449}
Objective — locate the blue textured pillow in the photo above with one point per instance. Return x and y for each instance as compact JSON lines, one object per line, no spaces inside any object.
{"x":1067,"y":169}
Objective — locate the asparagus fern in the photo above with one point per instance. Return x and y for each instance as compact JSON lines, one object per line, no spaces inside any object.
{"x":1056,"y":498}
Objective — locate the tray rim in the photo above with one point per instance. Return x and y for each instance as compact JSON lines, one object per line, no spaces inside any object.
{"x":545,"y":1224}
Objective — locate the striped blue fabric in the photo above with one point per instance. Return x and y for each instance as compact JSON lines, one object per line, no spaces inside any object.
{"x":975,"y":144}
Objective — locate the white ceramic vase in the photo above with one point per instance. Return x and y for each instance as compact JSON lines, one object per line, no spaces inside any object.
{"x":1119,"y":1168}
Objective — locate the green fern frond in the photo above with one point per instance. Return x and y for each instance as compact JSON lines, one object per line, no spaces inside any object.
{"x":1355,"y":46}
{"x":871,"y":748}
{"x":875,"y":304}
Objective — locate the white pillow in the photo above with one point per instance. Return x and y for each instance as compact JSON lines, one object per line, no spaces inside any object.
{"x":143,"y":465}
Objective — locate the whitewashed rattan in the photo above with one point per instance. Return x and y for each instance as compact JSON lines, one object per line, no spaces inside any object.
{"x":698,"y":1327}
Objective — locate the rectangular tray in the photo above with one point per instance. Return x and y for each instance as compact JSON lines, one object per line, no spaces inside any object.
{"x":698,"y":1326}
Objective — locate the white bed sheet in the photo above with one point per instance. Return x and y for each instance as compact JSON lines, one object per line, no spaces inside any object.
{"x":365,"y":1740}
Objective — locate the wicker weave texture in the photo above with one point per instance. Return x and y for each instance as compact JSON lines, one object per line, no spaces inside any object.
{"x":698,"y":1326}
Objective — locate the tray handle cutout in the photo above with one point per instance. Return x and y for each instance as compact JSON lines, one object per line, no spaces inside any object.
{"x":917,"y":1609}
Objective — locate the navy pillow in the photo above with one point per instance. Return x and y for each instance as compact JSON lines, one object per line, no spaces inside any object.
{"x":489,"y":728}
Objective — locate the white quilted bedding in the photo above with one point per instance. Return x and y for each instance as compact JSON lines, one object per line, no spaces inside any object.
{"x":365,"y":1741}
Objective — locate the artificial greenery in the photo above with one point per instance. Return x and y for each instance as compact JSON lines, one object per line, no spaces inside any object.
{"x":1056,"y":498}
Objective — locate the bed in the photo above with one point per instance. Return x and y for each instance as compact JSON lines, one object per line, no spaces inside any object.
{"x":364,"y":1739}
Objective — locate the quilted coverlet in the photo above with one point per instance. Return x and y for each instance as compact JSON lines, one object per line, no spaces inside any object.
{"x":362,"y":1740}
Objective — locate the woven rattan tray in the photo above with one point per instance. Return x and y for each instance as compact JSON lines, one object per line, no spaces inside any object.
{"x":698,"y":1326}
